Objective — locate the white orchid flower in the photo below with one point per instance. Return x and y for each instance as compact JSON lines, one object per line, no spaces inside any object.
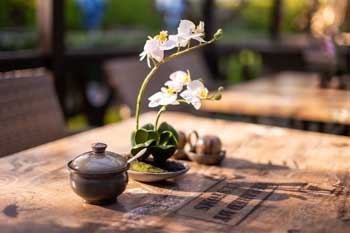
{"x":153,"y":50}
{"x":200,"y":28}
{"x":154,"y":47}
{"x":186,"y":31}
{"x":196,"y":91}
{"x":165,"y":42}
{"x":180,"y":40}
{"x":178,"y":79}
{"x":167,"y":96}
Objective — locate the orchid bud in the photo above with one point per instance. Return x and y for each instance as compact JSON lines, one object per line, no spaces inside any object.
{"x":218,"y":34}
{"x":217,"y":96}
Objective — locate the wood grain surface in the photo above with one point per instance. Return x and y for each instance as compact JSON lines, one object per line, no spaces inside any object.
{"x":272,"y":180}
{"x":288,"y":95}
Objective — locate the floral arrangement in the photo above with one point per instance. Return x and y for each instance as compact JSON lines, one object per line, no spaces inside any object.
{"x":161,"y":140}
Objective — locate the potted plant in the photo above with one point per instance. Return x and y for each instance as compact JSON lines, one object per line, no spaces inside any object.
{"x":161,"y":139}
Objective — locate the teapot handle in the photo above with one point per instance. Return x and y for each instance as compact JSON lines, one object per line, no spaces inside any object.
{"x":191,"y":142}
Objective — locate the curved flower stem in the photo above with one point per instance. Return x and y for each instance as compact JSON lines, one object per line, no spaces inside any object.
{"x":163,"y":109}
{"x":142,"y":90}
{"x":182,"y":101}
{"x":186,"y":50}
{"x":155,"y":68}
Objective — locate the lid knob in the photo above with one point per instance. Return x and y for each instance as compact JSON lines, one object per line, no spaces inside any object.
{"x":98,"y":147}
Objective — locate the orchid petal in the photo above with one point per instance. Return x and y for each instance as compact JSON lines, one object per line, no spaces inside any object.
{"x":196,"y":104}
{"x":186,"y":27}
{"x":176,"y":86}
{"x":148,"y":62}
{"x":142,"y":55}
{"x":158,"y":54}
{"x":187,"y":95}
{"x":195,"y":85}
{"x":169,"y":44}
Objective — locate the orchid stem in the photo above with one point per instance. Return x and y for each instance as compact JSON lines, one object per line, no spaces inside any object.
{"x":152,"y":72}
{"x":142,"y":90}
{"x":163,"y":109}
{"x":182,"y":101}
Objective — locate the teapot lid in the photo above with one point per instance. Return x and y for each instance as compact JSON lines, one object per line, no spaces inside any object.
{"x":98,"y":161}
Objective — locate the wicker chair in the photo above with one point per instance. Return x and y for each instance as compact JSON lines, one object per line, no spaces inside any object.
{"x":30,"y":114}
{"x":126,"y":76}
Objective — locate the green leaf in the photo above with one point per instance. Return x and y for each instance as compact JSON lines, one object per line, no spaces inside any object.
{"x":161,"y":143}
{"x":133,"y":143}
{"x":173,"y":140}
{"x":168,"y":138}
{"x":166,"y":127}
{"x":141,"y":136}
{"x":148,"y":126}
{"x":153,"y":135}
{"x":135,"y":149}
{"x":162,"y":153}
{"x":164,"y":137}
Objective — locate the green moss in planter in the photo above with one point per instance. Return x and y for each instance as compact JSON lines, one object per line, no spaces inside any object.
{"x":139,"y":166}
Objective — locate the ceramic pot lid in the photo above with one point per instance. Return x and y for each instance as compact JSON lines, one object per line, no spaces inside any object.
{"x":99,"y":161}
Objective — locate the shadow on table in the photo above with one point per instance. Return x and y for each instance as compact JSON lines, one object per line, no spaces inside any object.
{"x":236,"y":163}
{"x":137,"y":205}
{"x":201,"y":175}
{"x":53,"y":227}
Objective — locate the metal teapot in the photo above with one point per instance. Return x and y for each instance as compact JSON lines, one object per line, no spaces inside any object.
{"x":206,"y":149}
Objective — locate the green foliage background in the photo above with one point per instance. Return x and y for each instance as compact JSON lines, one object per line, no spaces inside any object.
{"x":140,"y":13}
{"x":17,"y":13}
{"x":21,"y":13}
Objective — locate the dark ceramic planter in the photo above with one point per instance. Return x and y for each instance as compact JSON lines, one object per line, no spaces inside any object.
{"x":98,"y":189}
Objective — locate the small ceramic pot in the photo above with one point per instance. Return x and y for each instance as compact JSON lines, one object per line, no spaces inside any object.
{"x":180,"y":152}
{"x":98,"y":176}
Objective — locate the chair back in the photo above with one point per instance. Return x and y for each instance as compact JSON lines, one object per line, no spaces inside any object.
{"x":29,"y":114}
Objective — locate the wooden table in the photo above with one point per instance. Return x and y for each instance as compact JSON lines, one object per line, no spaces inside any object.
{"x":286,"y":95}
{"x":272,"y":180}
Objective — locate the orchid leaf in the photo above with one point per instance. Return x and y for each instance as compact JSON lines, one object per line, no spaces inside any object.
{"x":166,"y":127}
{"x":164,"y":137}
{"x":167,"y":138}
{"x":148,"y":126}
{"x":161,"y":153}
{"x":141,"y":136}
{"x":153,"y":135}
{"x":135,"y":149}
{"x":161,"y":143}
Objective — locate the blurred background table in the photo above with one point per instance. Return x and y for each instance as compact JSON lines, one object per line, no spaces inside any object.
{"x":272,"y":180}
{"x":288,"y":95}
